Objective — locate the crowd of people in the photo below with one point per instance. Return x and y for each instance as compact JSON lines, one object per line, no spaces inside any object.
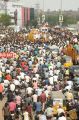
{"x":29,"y":79}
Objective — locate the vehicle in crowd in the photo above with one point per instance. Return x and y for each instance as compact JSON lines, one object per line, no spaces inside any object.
{"x":54,"y":49}
{"x":74,"y":71}
{"x":69,"y":50}
{"x":67,"y":61}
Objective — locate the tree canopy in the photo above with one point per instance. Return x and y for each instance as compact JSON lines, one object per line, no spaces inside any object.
{"x":5,"y":19}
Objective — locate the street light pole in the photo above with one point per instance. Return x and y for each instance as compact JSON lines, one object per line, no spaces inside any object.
{"x":38,"y":13}
{"x":43,"y":14}
{"x":61,"y":7}
{"x":43,"y":5}
{"x":5,"y":3}
{"x":61,"y":15}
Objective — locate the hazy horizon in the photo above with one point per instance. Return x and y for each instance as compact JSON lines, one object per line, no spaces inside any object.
{"x":52,"y":4}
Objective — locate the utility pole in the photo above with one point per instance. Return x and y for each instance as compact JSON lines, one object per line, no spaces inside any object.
{"x":43,"y":14}
{"x":60,"y":15}
{"x":5,"y":4}
{"x":43,"y":5}
{"x":38,"y":13}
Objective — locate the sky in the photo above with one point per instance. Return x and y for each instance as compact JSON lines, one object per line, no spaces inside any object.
{"x":52,"y":4}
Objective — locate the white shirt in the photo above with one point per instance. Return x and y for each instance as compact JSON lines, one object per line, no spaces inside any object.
{"x":34,"y":78}
{"x":62,"y":118}
{"x":41,"y":60}
{"x":29,"y":90}
{"x":51,"y":80}
{"x":6,"y":83}
{"x":14,"y":63}
{"x":56,"y":72}
{"x":27,"y":78}
{"x":3,"y":68}
{"x":22,"y":75}
{"x":19,"y":77}
{"x":68,"y":87}
{"x":49,"y":88}
{"x":39,"y":91}
{"x":51,"y":72}
{"x":11,"y":68}
{"x":16,"y":82}
{"x":34,"y":98}
{"x":12,"y":87}
{"x":26,"y":115}
{"x":55,"y":78}
{"x":49,"y":111}
{"x":1,"y":64}
{"x":70,"y":83}
{"x":0,"y":73}
{"x":7,"y":71}
{"x":37,"y":76}
{"x":47,"y":93}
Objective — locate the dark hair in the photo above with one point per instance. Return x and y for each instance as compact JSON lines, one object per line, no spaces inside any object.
{"x":61,"y":114}
{"x":6,"y":104}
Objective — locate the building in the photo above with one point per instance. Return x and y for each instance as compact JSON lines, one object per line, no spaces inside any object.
{"x":21,"y":16}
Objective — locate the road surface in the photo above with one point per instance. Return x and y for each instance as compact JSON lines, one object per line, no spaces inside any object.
{"x":1,"y":106}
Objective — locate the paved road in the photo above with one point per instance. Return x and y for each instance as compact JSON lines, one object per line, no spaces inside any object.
{"x":1,"y":106}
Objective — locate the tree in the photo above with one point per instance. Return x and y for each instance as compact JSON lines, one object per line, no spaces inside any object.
{"x":5,"y":19}
{"x":69,"y":20}
{"x":34,"y":23}
{"x":52,"y":19}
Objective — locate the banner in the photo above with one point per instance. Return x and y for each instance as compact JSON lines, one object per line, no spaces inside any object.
{"x":8,"y":55}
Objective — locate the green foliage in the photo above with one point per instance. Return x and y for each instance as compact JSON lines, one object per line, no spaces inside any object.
{"x":34,"y":23}
{"x":5,"y":19}
{"x":54,"y":19}
{"x":69,"y":20}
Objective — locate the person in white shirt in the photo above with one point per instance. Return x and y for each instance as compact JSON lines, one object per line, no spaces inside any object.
{"x":55,"y":78}
{"x":68,"y":87}
{"x":39,"y":91}
{"x":51,"y":72}
{"x":8,"y":71}
{"x":49,"y":112}
{"x":26,"y":115}
{"x":47,"y":93}
{"x":6,"y":83}
{"x":49,"y":88}
{"x":56,"y":71}
{"x":12,"y":87}
{"x":51,"y":80}
{"x":27,"y":78}
{"x":37,"y":76}
{"x":3,"y":68}
{"x":34,"y":96}
{"x":16,"y":82}
{"x":11,"y":68}
{"x":0,"y":75}
{"x":29,"y":90}
{"x":22,"y":75}
{"x":1,"y":63}
{"x":70,"y":83}
{"x":19,"y":77}
{"x":62,"y":117}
